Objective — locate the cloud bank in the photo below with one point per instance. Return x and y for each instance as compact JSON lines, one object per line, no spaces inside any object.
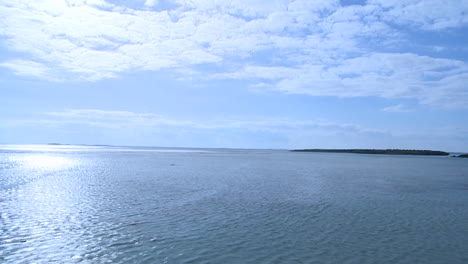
{"x":319,"y":48}
{"x":150,"y":129}
{"x":127,"y":119}
{"x":110,"y":127}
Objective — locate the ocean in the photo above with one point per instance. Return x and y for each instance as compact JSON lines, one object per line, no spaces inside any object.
{"x":99,"y":204}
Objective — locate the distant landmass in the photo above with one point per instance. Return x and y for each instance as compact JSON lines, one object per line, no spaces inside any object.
{"x":462,"y":156}
{"x":380,"y":151}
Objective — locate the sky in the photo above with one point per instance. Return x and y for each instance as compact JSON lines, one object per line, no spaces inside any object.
{"x":235,"y":74}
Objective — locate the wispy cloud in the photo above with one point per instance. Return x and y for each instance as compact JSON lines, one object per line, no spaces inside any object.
{"x":122,"y":119}
{"x":29,"y":68}
{"x":115,"y":119}
{"x":308,"y":47}
{"x":399,"y":108}
{"x":134,"y":128}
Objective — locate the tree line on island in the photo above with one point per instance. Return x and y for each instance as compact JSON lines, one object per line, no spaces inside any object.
{"x":383,"y":151}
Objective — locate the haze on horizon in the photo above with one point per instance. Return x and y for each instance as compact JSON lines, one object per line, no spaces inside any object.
{"x":237,"y":74}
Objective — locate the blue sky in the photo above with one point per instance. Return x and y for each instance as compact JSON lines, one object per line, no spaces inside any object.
{"x":246,"y":74}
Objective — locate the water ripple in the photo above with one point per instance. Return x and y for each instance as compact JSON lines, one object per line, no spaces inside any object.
{"x":249,"y":207}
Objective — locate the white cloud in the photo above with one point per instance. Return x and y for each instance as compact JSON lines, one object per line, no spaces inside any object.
{"x":432,"y":81}
{"x":245,"y":8}
{"x":151,"y":3}
{"x":95,"y":43}
{"x":425,"y":14}
{"x":311,"y":47}
{"x":82,"y":38}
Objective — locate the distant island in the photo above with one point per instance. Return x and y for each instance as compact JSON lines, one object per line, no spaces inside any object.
{"x":380,"y":151}
{"x":462,"y":156}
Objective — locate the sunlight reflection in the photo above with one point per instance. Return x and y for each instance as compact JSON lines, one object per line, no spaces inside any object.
{"x":47,"y":148}
{"x":47,"y":162}
{"x":49,"y":214}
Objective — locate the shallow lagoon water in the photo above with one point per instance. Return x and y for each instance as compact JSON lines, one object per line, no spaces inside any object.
{"x":145,"y":205}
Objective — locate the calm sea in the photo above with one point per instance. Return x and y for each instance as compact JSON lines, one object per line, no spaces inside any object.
{"x":72,"y":204}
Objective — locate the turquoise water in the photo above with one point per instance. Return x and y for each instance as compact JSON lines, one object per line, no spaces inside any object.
{"x":66,"y":204}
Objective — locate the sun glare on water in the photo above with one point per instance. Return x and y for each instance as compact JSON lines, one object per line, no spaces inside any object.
{"x":47,"y":162}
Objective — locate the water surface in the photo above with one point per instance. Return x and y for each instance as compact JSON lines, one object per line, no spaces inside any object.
{"x":77,"y":204}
